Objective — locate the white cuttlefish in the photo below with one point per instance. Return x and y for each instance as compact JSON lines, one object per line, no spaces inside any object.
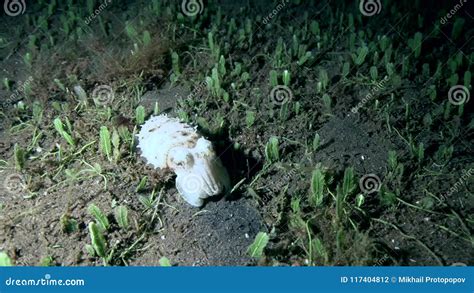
{"x":168,"y":144}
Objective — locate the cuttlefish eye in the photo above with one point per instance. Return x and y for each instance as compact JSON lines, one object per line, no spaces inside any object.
{"x":180,"y":158}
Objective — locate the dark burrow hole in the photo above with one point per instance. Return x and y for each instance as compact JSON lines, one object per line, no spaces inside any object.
{"x":238,"y":164}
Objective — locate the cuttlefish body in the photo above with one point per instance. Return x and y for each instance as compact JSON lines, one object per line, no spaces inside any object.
{"x":168,"y":144}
